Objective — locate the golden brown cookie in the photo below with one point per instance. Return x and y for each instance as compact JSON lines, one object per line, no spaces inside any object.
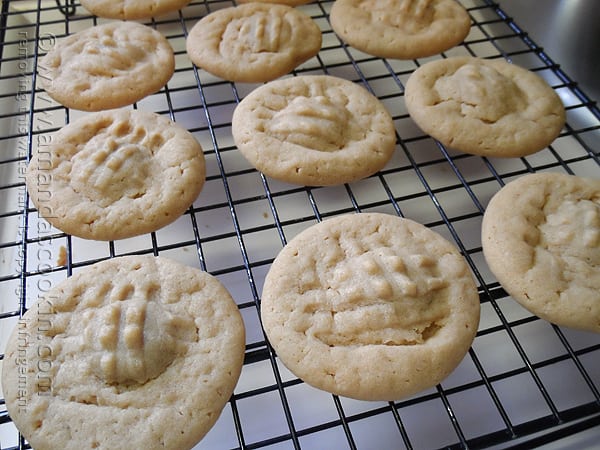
{"x":314,"y":130}
{"x":281,"y":2}
{"x":134,"y":349}
{"x":370,"y":306}
{"x":400,"y":29}
{"x":541,"y":239}
{"x":107,"y":66}
{"x":484,"y":107}
{"x":253,"y":42}
{"x":116,"y":174}
{"x":132,"y":9}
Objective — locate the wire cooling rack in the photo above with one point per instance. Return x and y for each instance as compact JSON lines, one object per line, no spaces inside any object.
{"x":523,"y":383}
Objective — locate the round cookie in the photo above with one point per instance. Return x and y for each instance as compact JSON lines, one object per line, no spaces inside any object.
{"x":253,"y":42}
{"x":314,"y":130}
{"x":107,"y":66}
{"x":116,"y":174}
{"x":135,"y":349}
{"x":541,"y":239}
{"x":281,"y":2}
{"x":405,"y":29}
{"x":132,"y":9}
{"x":484,"y":107}
{"x":370,"y":306}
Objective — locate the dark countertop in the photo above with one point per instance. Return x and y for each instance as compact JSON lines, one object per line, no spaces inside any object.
{"x":568,"y":31}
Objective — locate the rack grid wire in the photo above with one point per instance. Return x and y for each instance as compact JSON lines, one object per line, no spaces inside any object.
{"x":523,"y":383}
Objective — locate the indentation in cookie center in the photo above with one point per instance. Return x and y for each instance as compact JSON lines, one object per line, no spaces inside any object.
{"x":105,"y":57}
{"x":482,"y":92}
{"x":561,"y":232}
{"x":260,"y":33}
{"x":132,"y":338}
{"x":381,"y":299}
{"x":107,"y":169}
{"x":312,"y":122}
{"x":411,"y":16}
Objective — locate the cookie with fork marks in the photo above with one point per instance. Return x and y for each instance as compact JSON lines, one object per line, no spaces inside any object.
{"x":132,"y":9}
{"x":253,"y":42}
{"x":370,"y":306}
{"x":404,"y":29}
{"x":107,"y":66}
{"x":314,"y":130}
{"x":541,"y":238}
{"x":116,"y":174}
{"x":136,"y":349}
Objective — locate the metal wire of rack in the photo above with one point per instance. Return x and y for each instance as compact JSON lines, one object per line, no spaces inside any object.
{"x":523,"y":383}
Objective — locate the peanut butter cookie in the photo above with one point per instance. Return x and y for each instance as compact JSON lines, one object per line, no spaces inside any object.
{"x":314,"y":130}
{"x":107,"y":66}
{"x":400,"y":29}
{"x":136,"y":349}
{"x":281,"y":2}
{"x":370,"y":306}
{"x":253,"y":42}
{"x":541,"y":239}
{"x":116,"y":174}
{"x":132,"y":9}
{"x":484,"y":107}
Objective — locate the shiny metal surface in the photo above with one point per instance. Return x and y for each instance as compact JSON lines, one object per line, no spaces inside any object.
{"x":569,"y":33}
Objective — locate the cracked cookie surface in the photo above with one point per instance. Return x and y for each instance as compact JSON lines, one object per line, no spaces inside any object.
{"x":135,"y":349}
{"x":314,"y":130}
{"x":541,"y":239}
{"x":107,"y":66}
{"x":404,"y":29}
{"x":116,"y":174}
{"x":484,"y":107}
{"x":253,"y":42}
{"x":370,"y":306}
